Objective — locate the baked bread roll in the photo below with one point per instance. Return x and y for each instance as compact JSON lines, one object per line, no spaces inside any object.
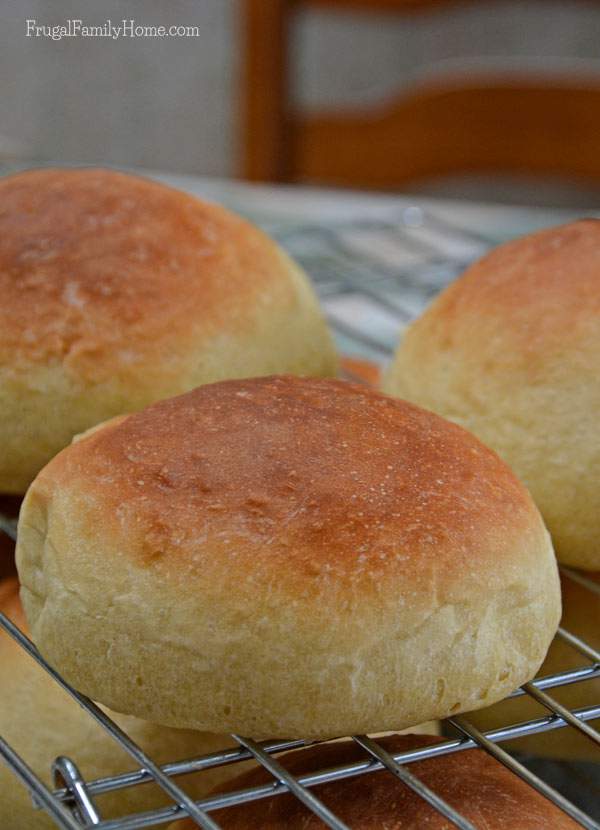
{"x":286,"y":557}
{"x":118,"y":291}
{"x":511,"y":351}
{"x":581,"y":616}
{"x":471,"y":781}
{"x":41,"y":722}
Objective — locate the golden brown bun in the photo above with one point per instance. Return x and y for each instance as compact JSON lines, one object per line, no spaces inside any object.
{"x":118,"y":291}
{"x":41,"y":721}
{"x":471,"y":781}
{"x":281,"y":557}
{"x":511,"y":351}
{"x":581,"y":616}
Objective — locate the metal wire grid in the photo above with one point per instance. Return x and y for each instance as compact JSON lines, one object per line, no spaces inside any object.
{"x":368,"y":297}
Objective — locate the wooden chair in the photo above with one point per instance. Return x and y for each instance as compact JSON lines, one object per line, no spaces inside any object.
{"x":507,"y":122}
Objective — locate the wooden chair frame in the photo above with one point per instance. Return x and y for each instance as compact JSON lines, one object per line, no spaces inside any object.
{"x":500,"y":122}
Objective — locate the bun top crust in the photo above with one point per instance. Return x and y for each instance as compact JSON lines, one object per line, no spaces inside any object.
{"x":100,"y":270}
{"x":342,"y":485}
{"x":471,"y":781}
{"x":526,"y":302}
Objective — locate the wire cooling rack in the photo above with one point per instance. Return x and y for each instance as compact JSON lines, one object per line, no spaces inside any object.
{"x":373,"y":278}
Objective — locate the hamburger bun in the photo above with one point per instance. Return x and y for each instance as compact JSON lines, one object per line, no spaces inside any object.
{"x":118,"y":291}
{"x":285,"y":557}
{"x":511,"y":351}
{"x":470,"y":781}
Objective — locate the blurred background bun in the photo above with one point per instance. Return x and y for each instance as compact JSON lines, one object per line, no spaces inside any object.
{"x":511,"y":351}
{"x":118,"y":291}
{"x":287,"y":557}
{"x":471,"y":781}
{"x":41,"y":721}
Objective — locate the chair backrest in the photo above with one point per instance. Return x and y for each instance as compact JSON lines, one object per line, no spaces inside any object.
{"x":527,"y":122}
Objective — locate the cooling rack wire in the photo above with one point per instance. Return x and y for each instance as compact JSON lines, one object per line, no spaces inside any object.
{"x":373,"y":277}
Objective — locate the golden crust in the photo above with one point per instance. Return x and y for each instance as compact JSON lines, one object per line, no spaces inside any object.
{"x":471,"y":781}
{"x":296,"y":535}
{"x":95,"y":264}
{"x":41,"y":722}
{"x":511,"y":351}
{"x":542,"y":289}
{"x":119,"y":291}
{"x":285,"y":467}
